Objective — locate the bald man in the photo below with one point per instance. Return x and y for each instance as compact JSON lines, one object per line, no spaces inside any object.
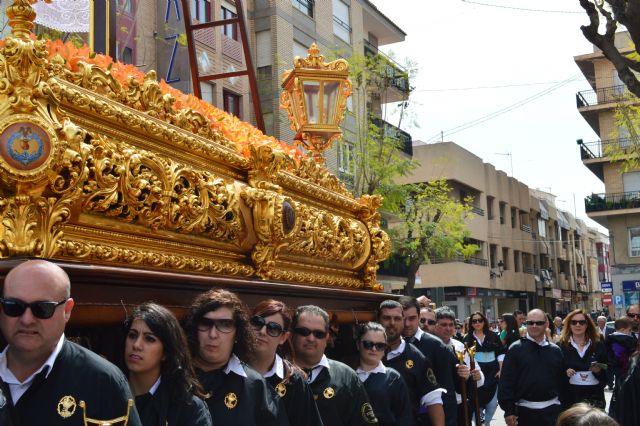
{"x":43,"y":376}
{"x":532,"y":377}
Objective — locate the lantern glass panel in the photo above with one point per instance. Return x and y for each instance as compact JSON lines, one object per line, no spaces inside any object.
{"x":331,"y":90}
{"x":312,"y":100}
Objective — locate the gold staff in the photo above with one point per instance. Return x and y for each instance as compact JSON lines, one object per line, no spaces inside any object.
{"x":463,"y":390}
{"x":476,"y":404}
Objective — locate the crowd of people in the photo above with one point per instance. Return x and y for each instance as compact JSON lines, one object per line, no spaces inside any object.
{"x":274,"y":365}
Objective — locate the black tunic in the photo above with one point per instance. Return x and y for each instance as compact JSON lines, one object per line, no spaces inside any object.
{"x":490,"y":344}
{"x":417,"y":373}
{"x":296,"y":404}
{"x":624,"y":402}
{"x":341,"y":397}
{"x":162,"y":409}
{"x":530,"y":372}
{"x":592,"y":394}
{"x":77,"y":375}
{"x":444,"y":366}
{"x":389,"y":397}
{"x":238,"y":401}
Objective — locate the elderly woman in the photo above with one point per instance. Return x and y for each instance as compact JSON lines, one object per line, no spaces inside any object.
{"x":585,"y":360}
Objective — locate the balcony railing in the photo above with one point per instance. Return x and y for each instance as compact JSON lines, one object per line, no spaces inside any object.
{"x":459,"y":258}
{"x":614,"y":201}
{"x":525,"y":228}
{"x":604,"y":95}
{"x":477,"y":210}
{"x":406,"y":142}
{"x":397,"y":75}
{"x":600,"y":149}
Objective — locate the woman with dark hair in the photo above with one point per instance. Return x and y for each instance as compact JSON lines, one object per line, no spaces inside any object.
{"x":585,"y":359}
{"x":510,"y":332}
{"x":221,"y":339}
{"x":488,"y":351}
{"x":160,"y":372}
{"x":296,"y":406}
{"x":387,"y":390}
{"x":550,"y":332}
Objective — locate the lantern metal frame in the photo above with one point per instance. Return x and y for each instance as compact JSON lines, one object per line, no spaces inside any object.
{"x":332,"y":77}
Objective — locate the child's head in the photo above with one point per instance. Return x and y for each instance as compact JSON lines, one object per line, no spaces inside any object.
{"x":623,"y":325}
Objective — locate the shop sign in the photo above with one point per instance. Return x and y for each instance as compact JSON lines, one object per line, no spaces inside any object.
{"x":471,"y":292}
{"x":557,"y":293}
{"x":566,"y":295}
{"x":630,"y":285}
{"x":607,"y":299}
{"x":606,"y":287}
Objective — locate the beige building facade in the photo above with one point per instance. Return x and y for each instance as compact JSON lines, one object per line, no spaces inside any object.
{"x":618,"y":208}
{"x":531,"y":254}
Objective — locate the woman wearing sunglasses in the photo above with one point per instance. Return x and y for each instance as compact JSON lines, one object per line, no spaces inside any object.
{"x":160,"y":372}
{"x":271,"y":320}
{"x":585,"y":359}
{"x":387,"y":390}
{"x":489,"y":356}
{"x":220,"y":339}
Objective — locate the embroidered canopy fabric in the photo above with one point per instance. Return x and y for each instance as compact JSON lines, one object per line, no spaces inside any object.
{"x":69,"y":16}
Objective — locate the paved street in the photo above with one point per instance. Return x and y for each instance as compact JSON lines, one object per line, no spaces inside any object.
{"x":498,"y":419}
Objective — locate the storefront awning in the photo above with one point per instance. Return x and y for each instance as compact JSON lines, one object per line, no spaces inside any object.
{"x":562,"y":221}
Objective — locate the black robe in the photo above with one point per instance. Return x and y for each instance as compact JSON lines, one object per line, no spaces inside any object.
{"x":490,"y":344}
{"x":238,"y":401}
{"x":625,"y":402}
{"x":162,"y":409}
{"x":444,"y":366}
{"x":77,"y":375}
{"x":296,"y":404}
{"x":417,"y":373}
{"x":591,"y":394}
{"x":341,"y":397}
{"x":389,"y":397}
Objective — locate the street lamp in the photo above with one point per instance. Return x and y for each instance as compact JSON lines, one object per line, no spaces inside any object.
{"x":315,"y":97}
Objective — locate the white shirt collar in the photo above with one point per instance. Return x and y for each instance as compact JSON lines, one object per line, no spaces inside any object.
{"x":418,"y":334}
{"x":364,"y":375}
{"x":397,"y":351}
{"x":277,"y":369}
{"x":315,"y":371}
{"x":235,"y":365}
{"x":581,"y":349}
{"x":155,"y":386}
{"x":543,"y":343}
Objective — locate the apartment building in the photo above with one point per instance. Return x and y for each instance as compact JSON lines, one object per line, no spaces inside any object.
{"x":531,"y":254}
{"x":618,"y":208}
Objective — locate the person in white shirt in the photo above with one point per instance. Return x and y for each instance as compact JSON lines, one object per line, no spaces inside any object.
{"x":602,"y":326}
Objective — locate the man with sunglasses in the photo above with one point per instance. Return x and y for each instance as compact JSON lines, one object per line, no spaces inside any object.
{"x":43,"y":376}
{"x":427,"y":320}
{"x":532,"y":377}
{"x":340,"y":395}
{"x":633,"y":312}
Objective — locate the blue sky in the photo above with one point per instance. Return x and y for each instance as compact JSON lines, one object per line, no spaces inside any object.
{"x":461,"y":45}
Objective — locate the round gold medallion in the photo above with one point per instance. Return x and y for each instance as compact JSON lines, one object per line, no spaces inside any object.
{"x":231,"y":400}
{"x":281,"y":389}
{"x":409,"y":363}
{"x":66,"y":406}
{"x":329,"y":393}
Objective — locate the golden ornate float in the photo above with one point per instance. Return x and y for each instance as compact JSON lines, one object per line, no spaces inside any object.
{"x":110,"y":173}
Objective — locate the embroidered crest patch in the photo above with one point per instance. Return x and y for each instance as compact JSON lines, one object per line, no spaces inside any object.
{"x":431,"y":378}
{"x":66,"y":406}
{"x":367,"y":413}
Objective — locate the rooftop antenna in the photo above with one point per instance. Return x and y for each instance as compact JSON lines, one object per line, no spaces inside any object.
{"x":507,"y":154}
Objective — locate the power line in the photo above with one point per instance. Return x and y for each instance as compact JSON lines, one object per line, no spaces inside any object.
{"x":499,"y":112}
{"x":453,"y":89}
{"x":522,"y":9}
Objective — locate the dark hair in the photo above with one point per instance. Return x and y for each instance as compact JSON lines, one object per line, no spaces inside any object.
{"x":176,"y":368}
{"x":485,"y":326}
{"x":311,"y":310}
{"x":387,"y":304}
{"x":624,"y":322}
{"x":584,"y":415}
{"x":270,"y":307}
{"x":629,"y":308}
{"x":592,"y":332}
{"x":513,"y":333}
{"x":445,"y":313}
{"x":408,"y":302}
{"x":517,"y":312}
{"x":552,"y":329}
{"x":213,"y":300}
{"x":369,"y":326}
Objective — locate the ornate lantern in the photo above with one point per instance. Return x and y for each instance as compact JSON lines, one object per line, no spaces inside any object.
{"x":315,"y":96}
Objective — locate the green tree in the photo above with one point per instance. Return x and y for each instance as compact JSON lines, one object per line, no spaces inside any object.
{"x":431,"y":224}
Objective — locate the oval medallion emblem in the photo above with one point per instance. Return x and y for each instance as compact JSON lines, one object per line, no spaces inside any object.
{"x":281,"y":389}
{"x":66,"y":406}
{"x":409,"y":363}
{"x":25,"y":146}
{"x":329,"y":392}
{"x":231,"y":400}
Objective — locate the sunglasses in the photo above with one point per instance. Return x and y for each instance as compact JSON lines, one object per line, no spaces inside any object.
{"x":223,"y":325}
{"x":634,"y":315}
{"x":428,"y":321}
{"x":273,"y":328}
{"x":304,"y":332}
{"x":531,"y":322}
{"x":477,"y":321}
{"x":576,"y":322}
{"x":17,"y":307}
{"x":379,"y":346}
